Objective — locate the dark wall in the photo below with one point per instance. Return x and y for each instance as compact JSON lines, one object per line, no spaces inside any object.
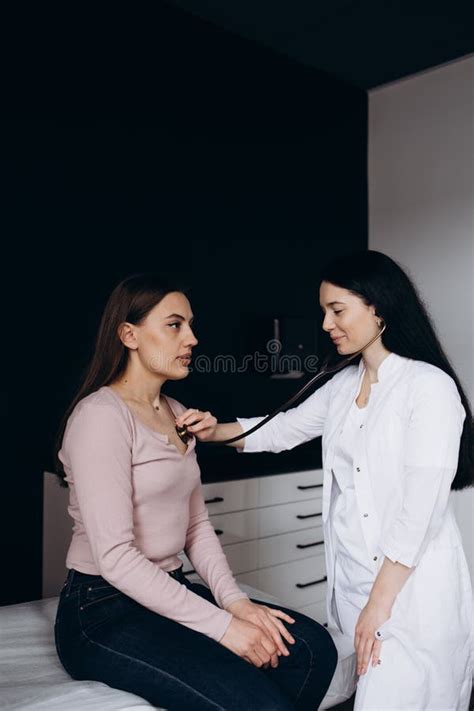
{"x":199,"y":155}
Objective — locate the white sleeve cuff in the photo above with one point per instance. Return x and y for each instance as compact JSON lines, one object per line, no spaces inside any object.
{"x":252,"y":442}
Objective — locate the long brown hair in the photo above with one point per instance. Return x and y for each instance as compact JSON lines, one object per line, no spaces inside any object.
{"x":131,"y":301}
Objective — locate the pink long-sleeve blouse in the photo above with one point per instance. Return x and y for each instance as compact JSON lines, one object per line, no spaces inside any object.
{"x":137,"y":502}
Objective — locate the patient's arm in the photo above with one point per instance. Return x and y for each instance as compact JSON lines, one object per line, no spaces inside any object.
{"x":205,"y":552}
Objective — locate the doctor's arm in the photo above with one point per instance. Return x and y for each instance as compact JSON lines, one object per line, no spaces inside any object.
{"x":388,"y":583}
{"x":431,"y":452}
{"x":285,"y":431}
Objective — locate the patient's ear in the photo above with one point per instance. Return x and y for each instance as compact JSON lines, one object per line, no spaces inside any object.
{"x":126,"y":333}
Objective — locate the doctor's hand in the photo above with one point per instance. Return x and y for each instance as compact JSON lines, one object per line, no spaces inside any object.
{"x":201,"y":424}
{"x":251,"y":643}
{"x":267,"y":618}
{"x":366,"y":645}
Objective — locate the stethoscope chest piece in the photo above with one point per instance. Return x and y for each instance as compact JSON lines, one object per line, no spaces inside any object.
{"x":183,"y":434}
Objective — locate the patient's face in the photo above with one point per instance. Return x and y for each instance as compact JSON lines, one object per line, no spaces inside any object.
{"x":347,"y":318}
{"x":165,"y":338}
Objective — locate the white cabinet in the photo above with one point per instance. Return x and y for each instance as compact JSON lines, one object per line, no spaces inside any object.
{"x":271,"y":531}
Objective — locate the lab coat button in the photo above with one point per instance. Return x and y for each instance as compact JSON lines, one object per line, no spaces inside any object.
{"x":365,"y":515}
{"x":357,"y":469}
{"x":361,"y":426}
{"x":375,"y":557}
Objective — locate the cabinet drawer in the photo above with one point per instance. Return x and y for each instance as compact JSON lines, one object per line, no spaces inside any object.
{"x":242,"y":557}
{"x":267,"y":552}
{"x":317,"y":610}
{"x":285,"y":518}
{"x":296,"y":486}
{"x":247,"y":525}
{"x":288,"y":547}
{"x":249,"y":578}
{"x":225,"y":496}
{"x":236,"y":527}
{"x":294,"y":584}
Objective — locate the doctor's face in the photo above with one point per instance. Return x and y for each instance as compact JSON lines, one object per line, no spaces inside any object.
{"x":348,"y":320}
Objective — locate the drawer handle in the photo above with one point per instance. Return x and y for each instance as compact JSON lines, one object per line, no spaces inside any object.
{"x":215,"y":500}
{"x":218,"y":532}
{"x":309,"y":545}
{"x":314,"y":582}
{"x":310,"y":486}
{"x":189,"y":572}
{"x":302,"y":516}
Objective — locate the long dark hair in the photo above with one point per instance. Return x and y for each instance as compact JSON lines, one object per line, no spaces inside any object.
{"x":131,"y":300}
{"x":382,"y":283}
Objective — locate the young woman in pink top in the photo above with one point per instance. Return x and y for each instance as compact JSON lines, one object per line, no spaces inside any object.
{"x":127,"y":615}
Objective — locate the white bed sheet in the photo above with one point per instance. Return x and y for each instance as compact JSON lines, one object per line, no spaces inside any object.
{"x":32,"y":678}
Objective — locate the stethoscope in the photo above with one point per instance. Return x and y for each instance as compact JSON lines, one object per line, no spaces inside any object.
{"x":325,"y":369}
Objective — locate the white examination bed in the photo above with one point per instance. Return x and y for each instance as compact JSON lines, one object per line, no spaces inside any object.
{"x":32,"y":678}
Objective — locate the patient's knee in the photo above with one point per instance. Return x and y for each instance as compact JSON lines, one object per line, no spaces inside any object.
{"x":317,"y":644}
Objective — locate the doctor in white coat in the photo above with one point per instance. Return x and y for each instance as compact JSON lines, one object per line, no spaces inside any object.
{"x":397,"y":437}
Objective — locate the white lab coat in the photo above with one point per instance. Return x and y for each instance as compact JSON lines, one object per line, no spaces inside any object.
{"x":404,"y":464}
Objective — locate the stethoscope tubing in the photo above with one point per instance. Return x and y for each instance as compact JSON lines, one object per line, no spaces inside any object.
{"x":325,"y":370}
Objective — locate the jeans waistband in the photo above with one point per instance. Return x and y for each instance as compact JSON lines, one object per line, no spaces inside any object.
{"x":78,"y":577}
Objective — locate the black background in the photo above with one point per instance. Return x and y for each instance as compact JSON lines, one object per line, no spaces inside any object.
{"x":176,"y":148}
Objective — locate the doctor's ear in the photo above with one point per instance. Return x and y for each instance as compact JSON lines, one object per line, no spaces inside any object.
{"x":378,"y":319}
{"x":127,"y":335}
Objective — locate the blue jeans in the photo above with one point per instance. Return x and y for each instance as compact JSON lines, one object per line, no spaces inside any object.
{"x":103,"y":635}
